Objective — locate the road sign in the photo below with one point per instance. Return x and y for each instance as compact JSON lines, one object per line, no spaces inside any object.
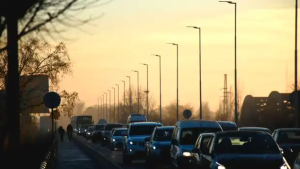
{"x":187,"y":114}
{"x":52,"y":100}
{"x":293,"y":98}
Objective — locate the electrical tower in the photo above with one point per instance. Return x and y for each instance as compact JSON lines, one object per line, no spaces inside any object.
{"x":225,"y":96}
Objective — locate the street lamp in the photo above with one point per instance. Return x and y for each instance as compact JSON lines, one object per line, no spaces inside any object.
{"x":124,"y":96}
{"x":177,"y":77}
{"x":114,"y":104}
{"x":103,"y":106}
{"x":109,"y":117}
{"x":200,"y":74}
{"x":235,"y":64}
{"x":296,"y":64}
{"x":138,"y":92}
{"x":118,"y":102}
{"x":160,"y":115}
{"x":106,"y":114}
{"x":147,"y":90}
{"x":98,"y":109}
{"x":130,"y":108}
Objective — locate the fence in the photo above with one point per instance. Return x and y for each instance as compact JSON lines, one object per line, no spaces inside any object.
{"x":49,"y":161}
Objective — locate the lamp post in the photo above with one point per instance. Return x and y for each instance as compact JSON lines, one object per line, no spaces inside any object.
{"x":98,"y":110}
{"x":138,"y":92}
{"x":296,"y":64}
{"x":106,"y":114}
{"x":124,"y":96}
{"x":118,"y":102}
{"x":160,"y":115}
{"x":109,"y":117}
{"x":147,"y":90}
{"x":130,"y":108}
{"x":200,"y":74}
{"x":177,"y":78}
{"x":114,"y":104}
{"x":102,"y":106}
{"x":235,"y":64}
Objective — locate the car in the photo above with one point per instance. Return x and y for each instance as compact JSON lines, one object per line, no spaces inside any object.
{"x":116,"y":138}
{"x":242,"y":149}
{"x":296,"y":164}
{"x":289,"y":140}
{"x":97,"y":133}
{"x":136,"y":118}
{"x":255,"y":129}
{"x":228,"y":125}
{"x":134,"y":142}
{"x":184,"y":137}
{"x":158,"y":146}
{"x":82,"y":129}
{"x":89,"y":132}
{"x":200,"y":145}
{"x":106,"y":132}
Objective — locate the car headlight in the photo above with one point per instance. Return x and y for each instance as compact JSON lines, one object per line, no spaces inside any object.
{"x":132,"y":143}
{"x":85,"y":130}
{"x":153,"y":147}
{"x":114,"y":140}
{"x":285,"y":166}
{"x":220,"y":166}
{"x":186,"y":154}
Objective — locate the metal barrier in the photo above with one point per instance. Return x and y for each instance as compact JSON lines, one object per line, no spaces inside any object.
{"x":49,"y":161}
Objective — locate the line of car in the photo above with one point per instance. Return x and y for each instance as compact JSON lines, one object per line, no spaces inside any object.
{"x":201,"y":144}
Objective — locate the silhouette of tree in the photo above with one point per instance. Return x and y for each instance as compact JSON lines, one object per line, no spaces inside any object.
{"x":51,"y":17}
{"x":208,"y":114}
{"x":40,"y":58}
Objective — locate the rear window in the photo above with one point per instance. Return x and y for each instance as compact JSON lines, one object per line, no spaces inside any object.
{"x":190,"y":135}
{"x":119,"y":132}
{"x":99,"y":127}
{"x":109,"y":127}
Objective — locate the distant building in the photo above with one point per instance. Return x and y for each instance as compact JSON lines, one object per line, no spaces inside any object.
{"x":272,"y":111}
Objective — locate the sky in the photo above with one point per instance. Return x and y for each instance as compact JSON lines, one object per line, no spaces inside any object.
{"x":131,"y":30}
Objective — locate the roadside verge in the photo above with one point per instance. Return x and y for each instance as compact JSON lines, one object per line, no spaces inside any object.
{"x":96,"y":154}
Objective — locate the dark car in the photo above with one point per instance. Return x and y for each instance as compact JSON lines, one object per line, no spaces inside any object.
{"x":89,"y":132}
{"x":106,"y":132}
{"x":242,"y":150}
{"x":158,"y":145}
{"x":228,"y":125}
{"x":255,"y":129}
{"x":289,"y":140}
{"x":97,"y":133}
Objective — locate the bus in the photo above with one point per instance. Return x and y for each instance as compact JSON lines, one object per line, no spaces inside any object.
{"x":77,"y":121}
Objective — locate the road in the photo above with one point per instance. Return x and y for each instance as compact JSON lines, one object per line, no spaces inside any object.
{"x":70,"y":156}
{"x":115,"y":156}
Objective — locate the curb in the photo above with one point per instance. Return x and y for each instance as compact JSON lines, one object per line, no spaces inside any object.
{"x":97,"y":155}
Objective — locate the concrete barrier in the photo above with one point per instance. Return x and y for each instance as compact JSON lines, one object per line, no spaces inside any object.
{"x":96,"y":154}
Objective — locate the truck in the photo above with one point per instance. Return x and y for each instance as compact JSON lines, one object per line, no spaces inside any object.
{"x":81,"y":123}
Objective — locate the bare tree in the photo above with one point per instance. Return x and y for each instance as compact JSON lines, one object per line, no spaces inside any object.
{"x":52,"y":17}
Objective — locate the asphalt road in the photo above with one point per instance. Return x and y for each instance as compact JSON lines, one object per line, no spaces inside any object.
{"x":115,"y":156}
{"x":70,"y":156}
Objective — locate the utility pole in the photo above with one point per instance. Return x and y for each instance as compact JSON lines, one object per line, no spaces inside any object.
{"x":160,"y":115}
{"x":114,"y":104}
{"x":124,"y":97}
{"x":147,"y":90}
{"x":109,"y":106}
{"x":130,"y":103}
{"x":118,"y":103}
{"x":296,"y":64}
{"x":138,"y":92}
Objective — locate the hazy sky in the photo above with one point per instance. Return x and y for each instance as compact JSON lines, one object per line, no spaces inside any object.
{"x":131,"y":30}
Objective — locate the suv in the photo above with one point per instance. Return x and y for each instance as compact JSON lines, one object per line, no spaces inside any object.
{"x":96,"y":135}
{"x":134,"y":142}
{"x":184,"y":137}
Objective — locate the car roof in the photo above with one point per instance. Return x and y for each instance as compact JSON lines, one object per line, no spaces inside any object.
{"x":238,"y":132}
{"x":197,"y":123}
{"x":165,"y":127}
{"x":113,"y":124}
{"x":287,"y":129}
{"x":120,"y":128}
{"x":144,"y":123}
{"x":255,"y":128}
{"x":227,"y":123}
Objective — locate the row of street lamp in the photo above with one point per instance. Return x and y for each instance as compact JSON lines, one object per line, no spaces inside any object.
{"x":200,"y":73}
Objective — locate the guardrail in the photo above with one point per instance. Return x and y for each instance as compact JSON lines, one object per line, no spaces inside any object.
{"x":49,"y":161}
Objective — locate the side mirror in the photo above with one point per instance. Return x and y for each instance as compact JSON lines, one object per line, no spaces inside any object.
{"x":147,"y":139}
{"x":281,"y":150}
{"x":195,"y":150}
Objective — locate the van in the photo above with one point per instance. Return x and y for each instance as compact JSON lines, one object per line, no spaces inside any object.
{"x":136,"y":118}
{"x":184,"y":138}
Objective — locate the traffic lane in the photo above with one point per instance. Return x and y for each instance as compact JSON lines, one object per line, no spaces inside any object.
{"x":70,"y":156}
{"x":116,"y":156}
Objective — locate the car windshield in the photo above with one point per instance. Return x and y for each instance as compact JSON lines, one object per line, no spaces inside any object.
{"x":246,"y":143}
{"x":99,"y":127}
{"x":109,"y":127}
{"x":142,"y":130}
{"x":119,"y":132}
{"x":190,"y":135}
{"x":90,"y":128}
{"x":163,"y":135}
{"x":289,"y":137}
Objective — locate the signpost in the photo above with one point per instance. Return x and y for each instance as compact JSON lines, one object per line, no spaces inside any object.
{"x":187,"y":114}
{"x":52,"y":100}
